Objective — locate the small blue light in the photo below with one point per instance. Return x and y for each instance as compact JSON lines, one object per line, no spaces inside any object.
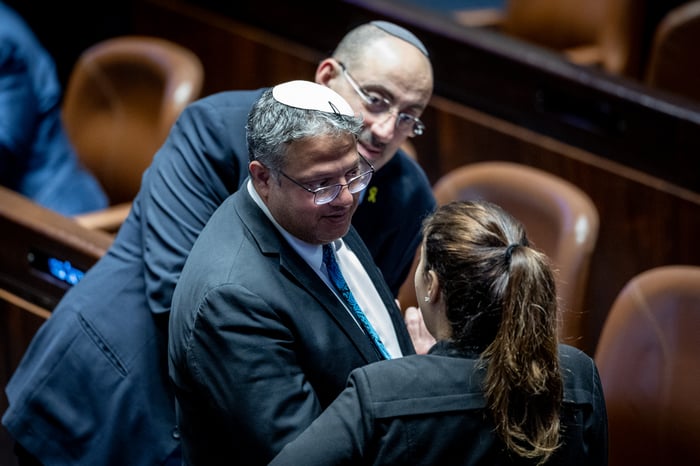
{"x":64,"y":271}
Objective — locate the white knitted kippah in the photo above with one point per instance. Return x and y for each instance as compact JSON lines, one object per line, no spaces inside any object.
{"x":308,"y":95}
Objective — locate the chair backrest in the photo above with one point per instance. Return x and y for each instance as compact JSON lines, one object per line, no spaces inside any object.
{"x":612,"y":27}
{"x":560,"y":219}
{"x":122,"y":98}
{"x":558,"y":24}
{"x":648,"y":357}
{"x":673,"y":61}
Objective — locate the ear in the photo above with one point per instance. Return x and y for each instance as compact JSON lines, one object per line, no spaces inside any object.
{"x":326,"y":71}
{"x":262,"y":177}
{"x":433,"y":286}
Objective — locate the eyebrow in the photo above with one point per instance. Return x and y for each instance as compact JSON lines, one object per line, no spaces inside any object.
{"x":390,"y":95}
{"x":325,"y":174}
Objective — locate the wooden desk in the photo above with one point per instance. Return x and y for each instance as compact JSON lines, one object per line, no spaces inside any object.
{"x":31,"y":237}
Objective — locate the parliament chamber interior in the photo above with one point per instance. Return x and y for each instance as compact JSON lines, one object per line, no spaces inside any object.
{"x":607,"y":102}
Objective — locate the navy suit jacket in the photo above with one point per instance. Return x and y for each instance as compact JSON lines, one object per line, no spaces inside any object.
{"x":430,"y":410}
{"x":259,"y":344}
{"x":106,"y":339}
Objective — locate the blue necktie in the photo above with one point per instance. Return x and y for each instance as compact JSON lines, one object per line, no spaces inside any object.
{"x":342,"y":288}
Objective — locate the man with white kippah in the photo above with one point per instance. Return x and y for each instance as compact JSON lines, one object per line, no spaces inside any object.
{"x":107,"y":338}
{"x":260,"y":341}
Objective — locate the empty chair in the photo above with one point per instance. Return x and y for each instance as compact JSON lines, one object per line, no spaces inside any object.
{"x":603,"y":33}
{"x":673,"y":60}
{"x":560,"y":219}
{"x":122,"y":97}
{"x":648,"y":357}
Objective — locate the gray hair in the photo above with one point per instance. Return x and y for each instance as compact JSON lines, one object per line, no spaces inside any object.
{"x":272,"y":126}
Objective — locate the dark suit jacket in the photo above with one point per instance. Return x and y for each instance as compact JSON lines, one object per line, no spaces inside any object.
{"x":112,"y":326}
{"x":430,"y":410}
{"x":259,"y":345}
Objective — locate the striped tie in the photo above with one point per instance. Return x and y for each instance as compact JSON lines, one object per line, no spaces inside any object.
{"x":343,"y":290}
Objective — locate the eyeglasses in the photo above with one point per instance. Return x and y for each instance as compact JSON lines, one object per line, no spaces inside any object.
{"x":326,"y":194}
{"x":378,"y":104}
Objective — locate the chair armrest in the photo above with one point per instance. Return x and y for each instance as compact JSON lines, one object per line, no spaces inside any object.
{"x":109,"y":219}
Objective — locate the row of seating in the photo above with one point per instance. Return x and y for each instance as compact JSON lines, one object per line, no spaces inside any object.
{"x":607,"y":34}
{"x":602,"y":33}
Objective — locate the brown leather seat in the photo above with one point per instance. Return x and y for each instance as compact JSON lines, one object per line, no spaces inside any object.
{"x":648,"y":357}
{"x":560,"y":219}
{"x":603,"y":33}
{"x":122,"y":97}
{"x":673,"y":62}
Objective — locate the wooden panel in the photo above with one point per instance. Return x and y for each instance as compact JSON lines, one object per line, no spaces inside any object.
{"x":234,"y":55}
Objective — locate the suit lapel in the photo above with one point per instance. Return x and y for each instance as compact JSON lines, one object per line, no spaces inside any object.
{"x":275,"y":247}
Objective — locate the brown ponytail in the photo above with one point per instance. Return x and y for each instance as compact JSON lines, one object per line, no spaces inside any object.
{"x":501,"y":302}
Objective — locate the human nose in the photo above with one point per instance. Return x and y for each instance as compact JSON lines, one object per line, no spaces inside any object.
{"x":384,"y":125}
{"x":344,"y":196}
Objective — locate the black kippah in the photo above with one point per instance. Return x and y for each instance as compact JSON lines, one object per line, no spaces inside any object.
{"x":401,"y":33}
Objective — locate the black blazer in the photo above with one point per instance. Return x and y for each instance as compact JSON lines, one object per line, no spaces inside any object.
{"x":430,"y":410}
{"x":259,"y":345}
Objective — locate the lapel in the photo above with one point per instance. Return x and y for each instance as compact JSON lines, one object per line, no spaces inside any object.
{"x":273,"y":246}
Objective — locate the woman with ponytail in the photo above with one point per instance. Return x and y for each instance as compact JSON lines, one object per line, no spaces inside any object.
{"x":497,"y":388}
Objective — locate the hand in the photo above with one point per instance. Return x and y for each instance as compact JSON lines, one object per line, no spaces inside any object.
{"x":422,"y":339}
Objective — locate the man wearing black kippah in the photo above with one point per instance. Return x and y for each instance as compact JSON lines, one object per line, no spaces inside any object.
{"x":107,"y":338}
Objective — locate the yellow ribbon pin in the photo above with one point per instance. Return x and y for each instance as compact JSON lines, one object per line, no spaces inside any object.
{"x":372,"y":194}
